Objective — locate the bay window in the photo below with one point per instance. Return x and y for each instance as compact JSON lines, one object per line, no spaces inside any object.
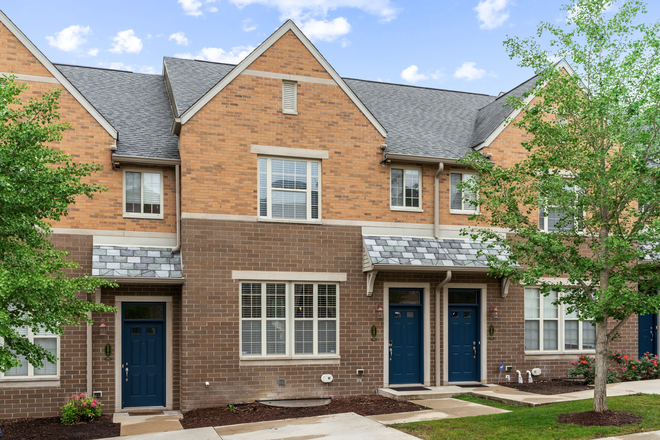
{"x":289,"y":319}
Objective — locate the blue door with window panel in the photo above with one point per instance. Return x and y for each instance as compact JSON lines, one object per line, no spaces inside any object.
{"x":143,"y":354}
{"x":648,"y":334}
{"x":464,"y":363}
{"x":406,"y":339}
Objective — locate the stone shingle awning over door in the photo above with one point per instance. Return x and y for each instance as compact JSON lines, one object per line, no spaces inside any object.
{"x":426,"y":254}
{"x":138,"y":264}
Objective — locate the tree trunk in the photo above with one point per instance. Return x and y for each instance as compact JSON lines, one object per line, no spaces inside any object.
{"x":600,"y":391}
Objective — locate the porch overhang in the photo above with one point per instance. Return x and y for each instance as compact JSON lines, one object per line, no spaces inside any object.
{"x":137,"y":265}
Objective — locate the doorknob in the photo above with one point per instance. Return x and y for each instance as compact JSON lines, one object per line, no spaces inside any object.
{"x":474,"y":347}
{"x":126,"y":374}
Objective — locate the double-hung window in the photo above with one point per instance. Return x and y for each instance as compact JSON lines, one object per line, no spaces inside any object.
{"x":42,"y":338}
{"x":143,"y":194}
{"x":461,"y":201}
{"x":289,"y":319}
{"x":552,"y":218}
{"x":289,"y":189}
{"x":405,"y":188}
{"x":549,"y":327}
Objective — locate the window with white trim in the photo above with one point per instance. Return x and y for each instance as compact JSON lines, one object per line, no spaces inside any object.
{"x":552,"y":219}
{"x":42,"y":338}
{"x":143,"y":193}
{"x":289,"y":189}
{"x":290,"y":97}
{"x":405,"y":188}
{"x":289,"y":319}
{"x":461,"y":201}
{"x":549,"y":327}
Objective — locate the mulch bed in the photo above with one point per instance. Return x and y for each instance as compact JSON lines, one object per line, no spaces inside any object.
{"x":548,"y":387}
{"x":256,"y":412}
{"x":605,"y":418}
{"x":51,"y":428}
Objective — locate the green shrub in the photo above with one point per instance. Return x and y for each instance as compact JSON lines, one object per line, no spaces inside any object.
{"x":636,"y":369}
{"x":585,"y":367}
{"x":81,"y":408}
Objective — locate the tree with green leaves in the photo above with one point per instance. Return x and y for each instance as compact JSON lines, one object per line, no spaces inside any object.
{"x":38,"y":183}
{"x":584,"y":204}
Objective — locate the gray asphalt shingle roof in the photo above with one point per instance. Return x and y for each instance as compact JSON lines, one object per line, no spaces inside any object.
{"x":492,"y":115}
{"x":191,"y":79}
{"x":421,"y":121}
{"x":414,"y":251}
{"x":136,"y":105}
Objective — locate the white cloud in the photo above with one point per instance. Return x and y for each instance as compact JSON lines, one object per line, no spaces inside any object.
{"x":180,"y":38}
{"x":126,"y":41}
{"x":325,"y":30}
{"x":412,"y":75}
{"x":345,"y":42}
{"x":120,"y":66}
{"x":438,"y":75}
{"x":305,"y":9}
{"x":191,"y":7}
{"x":147,"y":69}
{"x":491,"y":13}
{"x":93,"y":52}
{"x":213,"y":9}
{"x":69,"y":39}
{"x":469,"y":71}
{"x":234,"y":56}
{"x":248,"y":26}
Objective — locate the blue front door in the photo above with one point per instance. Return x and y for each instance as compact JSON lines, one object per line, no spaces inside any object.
{"x":648,"y":334}
{"x":143,"y":354}
{"x":463,"y":336}
{"x":405,"y":345}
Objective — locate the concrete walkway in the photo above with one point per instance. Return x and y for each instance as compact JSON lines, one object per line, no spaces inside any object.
{"x":652,"y":435}
{"x":515,"y":397}
{"x":147,"y":424}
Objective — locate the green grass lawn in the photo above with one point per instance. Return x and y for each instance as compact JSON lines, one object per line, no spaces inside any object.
{"x":539,"y":422}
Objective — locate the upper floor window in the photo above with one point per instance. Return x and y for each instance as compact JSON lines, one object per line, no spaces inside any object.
{"x":405,"y":188}
{"x":461,"y":201}
{"x":42,"y":338}
{"x":143,"y":193}
{"x":549,"y":327}
{"x":289,"y":189}
{"x":290,"y":97}
{"x":552,"y":218}
{"x":289,"y":319}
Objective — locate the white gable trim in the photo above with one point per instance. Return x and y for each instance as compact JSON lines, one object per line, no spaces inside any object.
{"x":57,"y":74}
{"x":562,"y":64}
{"x":242,"y":66}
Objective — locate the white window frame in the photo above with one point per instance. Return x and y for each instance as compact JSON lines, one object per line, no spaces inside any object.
{"x":308,"y":191}
{"x":293,"y":111}
{"x":561,"y":329}
{"x":30,"y":374}
{"x":290,"y":322}
{"x":162,"y":193}
{"x":462,"y":210}
{"x":407,"y":208}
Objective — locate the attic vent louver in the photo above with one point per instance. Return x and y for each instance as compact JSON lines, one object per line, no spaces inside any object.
{"x":289,"y":97}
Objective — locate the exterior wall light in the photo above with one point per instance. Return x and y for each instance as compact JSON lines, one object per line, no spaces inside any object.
{"x":493,"y":311}
{"x":379,"y":310}
{"x":103,"y":328}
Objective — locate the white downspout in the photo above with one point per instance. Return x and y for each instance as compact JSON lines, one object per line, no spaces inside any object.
{"x":177,"y":170}
{"x":438,"y":291}
{"x":436,"y":200}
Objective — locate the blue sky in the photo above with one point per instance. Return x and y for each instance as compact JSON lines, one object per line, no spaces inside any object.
{"x":445,"y":44}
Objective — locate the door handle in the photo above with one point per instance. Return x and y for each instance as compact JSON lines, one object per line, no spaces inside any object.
{"x":390,"y":354}
{"x":126,"y":374}
{"x":474,"y":347}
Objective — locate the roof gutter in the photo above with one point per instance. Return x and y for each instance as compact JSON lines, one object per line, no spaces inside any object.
{"x":140,"y":160}
{"x":419,"y":159}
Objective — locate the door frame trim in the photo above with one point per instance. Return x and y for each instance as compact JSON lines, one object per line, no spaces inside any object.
{"x":169,"y":381}
{"x":426,"y":328}
{"x":483,"y":327}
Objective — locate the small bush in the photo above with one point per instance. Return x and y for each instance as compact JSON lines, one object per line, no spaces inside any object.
{"x":636,"y":369}
{"x":81,"y":408}
{"x":585,"y":367}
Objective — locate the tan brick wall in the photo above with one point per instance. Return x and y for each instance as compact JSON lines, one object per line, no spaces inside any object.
{"x":87,"y":142}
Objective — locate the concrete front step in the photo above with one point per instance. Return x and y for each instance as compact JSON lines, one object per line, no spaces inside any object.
{"x":433,"y":393}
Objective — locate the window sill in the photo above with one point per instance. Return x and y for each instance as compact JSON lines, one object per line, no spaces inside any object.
{"x":289,"y":113}
{"x":286,"y":220}
{"x":558,"y":354}
{"x":145,"y":216}
{"x":455,"y":211}
{"x":404,"y":209}
{"x":30,"y":382}
{"x":269,"y":361}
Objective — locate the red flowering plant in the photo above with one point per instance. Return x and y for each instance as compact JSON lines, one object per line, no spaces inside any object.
{"x":81,"y":408}
{"x":629,"y":367}
{"x":649,"y":366}
{"x":584,"y":367}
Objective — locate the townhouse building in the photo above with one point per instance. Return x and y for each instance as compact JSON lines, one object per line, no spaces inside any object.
{"x":278,"y":231}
